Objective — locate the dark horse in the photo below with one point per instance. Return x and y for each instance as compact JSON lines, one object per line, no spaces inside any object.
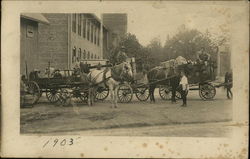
{"x":159,"y":76}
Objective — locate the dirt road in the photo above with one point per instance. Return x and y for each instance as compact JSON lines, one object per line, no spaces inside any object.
{"x":48,"y":118}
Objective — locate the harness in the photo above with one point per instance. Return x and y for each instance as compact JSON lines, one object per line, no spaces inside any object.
{"x":116,"y":76}
{"x":104,"y":77}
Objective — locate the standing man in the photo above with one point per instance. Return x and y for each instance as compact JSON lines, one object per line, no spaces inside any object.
{"x":229,"y":84}
{"x":77,"y":63}
{"x":184,"y":88}
{"x":121,"y":56}
{"x":174,"y":83}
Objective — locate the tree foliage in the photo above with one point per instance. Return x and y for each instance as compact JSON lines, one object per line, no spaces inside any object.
{"x":186,"y":43}
{"x":132,"y":48}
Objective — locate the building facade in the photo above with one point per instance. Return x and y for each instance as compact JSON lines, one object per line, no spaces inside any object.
{"x":70,"y":37}
{"x":29,"y":40}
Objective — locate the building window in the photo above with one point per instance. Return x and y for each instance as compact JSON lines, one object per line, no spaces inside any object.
{"x":98,"y":37}
{"x":84,"y":54}
{"x":74,"y":55}
{"x":74,"y":23}
{"x":91,"y":56}
{"x":91,"y":33}
{"x":84,"y":27}
{"x":88,"y":29}
{"x":95,"y":56}
{"x":95,"y":35}
{"x":79,"y":24}
{"x":88,"y":57}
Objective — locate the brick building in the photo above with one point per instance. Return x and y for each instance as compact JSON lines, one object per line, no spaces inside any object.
{"x":71,"y":36}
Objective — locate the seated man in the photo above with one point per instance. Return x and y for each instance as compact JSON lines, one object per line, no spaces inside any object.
{"x":76,"y":67}
{"x":203,"y":57}
{"x":77,"y":63}
{"x":34,"y":74}
{"x":57,"y":74}
{"x":121,"y":55}
{"x":99,"y":66}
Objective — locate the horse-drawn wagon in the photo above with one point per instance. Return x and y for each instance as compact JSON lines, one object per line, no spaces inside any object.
{"x":58,"y":85}
{"x":200,"y":77}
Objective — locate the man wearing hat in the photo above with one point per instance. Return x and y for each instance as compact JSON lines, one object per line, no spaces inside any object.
{"x":121,"y":56}
{"x":203,"y":57}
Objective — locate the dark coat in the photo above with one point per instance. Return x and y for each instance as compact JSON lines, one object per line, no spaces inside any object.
{"x":174,"y":82}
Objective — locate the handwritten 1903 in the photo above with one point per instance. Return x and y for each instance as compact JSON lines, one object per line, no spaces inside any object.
{"x":60,"y":142}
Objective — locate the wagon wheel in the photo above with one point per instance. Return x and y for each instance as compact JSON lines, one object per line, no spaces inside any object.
{"x":101,"y":93}
{"x":34,"y":90}
{"x":125,"y":93}
{"x":64,"y":97}
{"x":165,"y":93}
{"x":207,"y":91}
{"x":142,"y":93}
{"x":80,"y":95}
{"x":53,"y":95}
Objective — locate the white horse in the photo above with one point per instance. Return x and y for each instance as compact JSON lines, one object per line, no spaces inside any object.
{"x":110,"y":77}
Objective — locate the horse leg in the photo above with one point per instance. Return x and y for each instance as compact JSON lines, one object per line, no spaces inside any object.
{"x":111,"y":95}
{"x":90,"y":96}
{"x":150,"y":93}
{"x":115,"y":97}
{"x":153,"y":90}
{"x":93,"y":94}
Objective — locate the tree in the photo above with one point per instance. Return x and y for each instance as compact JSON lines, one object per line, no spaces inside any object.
{"x":187,"y":42}
{"x":132,"y":48}
{"x":155,"y":52}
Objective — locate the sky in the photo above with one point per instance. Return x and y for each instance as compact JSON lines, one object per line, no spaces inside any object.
{"x":161,"y":19}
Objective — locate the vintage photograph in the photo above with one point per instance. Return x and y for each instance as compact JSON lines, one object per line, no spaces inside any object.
{"x":125,"y":74}
{"x":143,"y":79}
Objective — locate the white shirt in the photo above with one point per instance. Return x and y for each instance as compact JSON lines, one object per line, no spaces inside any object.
{"x":184,"y":83}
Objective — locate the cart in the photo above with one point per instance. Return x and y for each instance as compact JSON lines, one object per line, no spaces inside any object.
{"x":200,"y":78}
{"x":60,"y":87}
